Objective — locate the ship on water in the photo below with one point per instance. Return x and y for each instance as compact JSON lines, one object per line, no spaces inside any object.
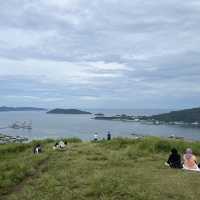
{"x":21,"y":125}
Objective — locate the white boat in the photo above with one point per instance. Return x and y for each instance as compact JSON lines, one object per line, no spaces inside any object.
{"x":16,"y":125}
{"x":24,"y":125}
{"x":27,"y":125}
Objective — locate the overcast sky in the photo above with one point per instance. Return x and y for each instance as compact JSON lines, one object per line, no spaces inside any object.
{"x":100,"y":53}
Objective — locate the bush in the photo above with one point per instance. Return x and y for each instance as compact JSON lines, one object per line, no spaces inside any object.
{"x":44,"y":141}
{"x":156,"y":145}
{"x":14,"y":148}
{"x":72,"y":140}
{"x":163,"y":146}
{"x":118,"y":143}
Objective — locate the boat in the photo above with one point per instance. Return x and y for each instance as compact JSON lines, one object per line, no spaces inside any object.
{"x":137,"y":136}
{"x":16,"y":125}
{"x":24,"y":125}
{"x":175,"y":137}
{"x":27,"y":125}
{"x":4,"y":139}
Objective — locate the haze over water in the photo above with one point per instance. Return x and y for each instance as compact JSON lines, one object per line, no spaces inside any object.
{"x":83,"y":126}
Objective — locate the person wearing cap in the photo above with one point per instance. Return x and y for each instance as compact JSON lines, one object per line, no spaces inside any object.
{"x":190,"y":161}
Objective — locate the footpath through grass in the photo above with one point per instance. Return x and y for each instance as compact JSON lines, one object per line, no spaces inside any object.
{"x":120,"y":169}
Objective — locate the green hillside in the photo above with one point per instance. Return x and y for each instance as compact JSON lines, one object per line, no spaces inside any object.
{"x":121,"y":169}
{"x":187,"y":115}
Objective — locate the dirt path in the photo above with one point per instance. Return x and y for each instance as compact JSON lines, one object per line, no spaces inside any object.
{"x":43,"y":167}
{"x":39,"y":169}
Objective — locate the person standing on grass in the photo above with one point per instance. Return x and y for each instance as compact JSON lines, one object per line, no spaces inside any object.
{"x":190,"y":161}
{"x":109,"y":136}
{"x":96,"y":137}
{"x":174,"y":160}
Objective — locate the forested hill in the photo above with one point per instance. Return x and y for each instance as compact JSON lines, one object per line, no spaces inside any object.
{"x":67,"y":111}
{"x":187,"y":115}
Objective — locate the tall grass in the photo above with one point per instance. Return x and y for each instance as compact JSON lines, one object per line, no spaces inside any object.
{"x":71,"y":140}
{"x":152,"y":144}
{"x":122,"y":168}
{"x":13,"y":148}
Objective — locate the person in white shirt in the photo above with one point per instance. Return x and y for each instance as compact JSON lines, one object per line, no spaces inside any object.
{"x":61,"y":145}
{"x":96,"y":137}
{"x":37,"y":149}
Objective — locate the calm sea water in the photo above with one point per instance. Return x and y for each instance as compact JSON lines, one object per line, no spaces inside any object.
{"x":82,"y":126}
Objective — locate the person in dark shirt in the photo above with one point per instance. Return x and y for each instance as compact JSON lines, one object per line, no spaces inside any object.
{"x":174,"y":160}
{"x":109,"y":136}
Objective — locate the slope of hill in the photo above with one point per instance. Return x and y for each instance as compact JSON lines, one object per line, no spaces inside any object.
{"x":187,"y":115}
{"x":120,"y":169}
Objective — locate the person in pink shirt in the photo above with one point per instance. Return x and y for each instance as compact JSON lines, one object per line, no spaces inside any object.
{"x":190,"y":161}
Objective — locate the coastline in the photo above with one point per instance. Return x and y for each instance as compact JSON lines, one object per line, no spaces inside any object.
{"x":82,"y":126}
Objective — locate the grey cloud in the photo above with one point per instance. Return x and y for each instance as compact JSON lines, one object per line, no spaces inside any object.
{"x":158,"y":42}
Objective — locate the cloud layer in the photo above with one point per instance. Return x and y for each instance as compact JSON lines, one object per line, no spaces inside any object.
{"x":100,"y":53}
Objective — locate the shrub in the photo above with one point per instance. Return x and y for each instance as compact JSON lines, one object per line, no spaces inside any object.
{"x":163,"y":146}
{"x":72,"y":140}
{"x":14,"y":148}
{"x":118,"y":143}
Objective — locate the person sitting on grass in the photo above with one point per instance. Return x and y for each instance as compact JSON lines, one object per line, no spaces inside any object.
{"x":174,"y":160}
{"x":60,"y":145}
{"x":190,"y":161}
{"x":37,"y":149}
{"x":55,"y":146}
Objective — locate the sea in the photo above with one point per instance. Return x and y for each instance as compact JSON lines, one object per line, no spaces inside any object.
{"x":84,"y":126}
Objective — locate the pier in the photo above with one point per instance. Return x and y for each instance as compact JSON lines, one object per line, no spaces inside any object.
{"x":5,"y":139}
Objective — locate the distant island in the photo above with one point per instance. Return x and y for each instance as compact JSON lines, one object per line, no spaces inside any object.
{"x":186,"y":115}
{"x":99,"y":115}
{"x":181,"y":117}
{"x":8,"y":109}
{"x":67,"y":111}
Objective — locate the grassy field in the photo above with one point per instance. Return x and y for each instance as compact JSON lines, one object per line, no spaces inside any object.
{"x":120,"y":169}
